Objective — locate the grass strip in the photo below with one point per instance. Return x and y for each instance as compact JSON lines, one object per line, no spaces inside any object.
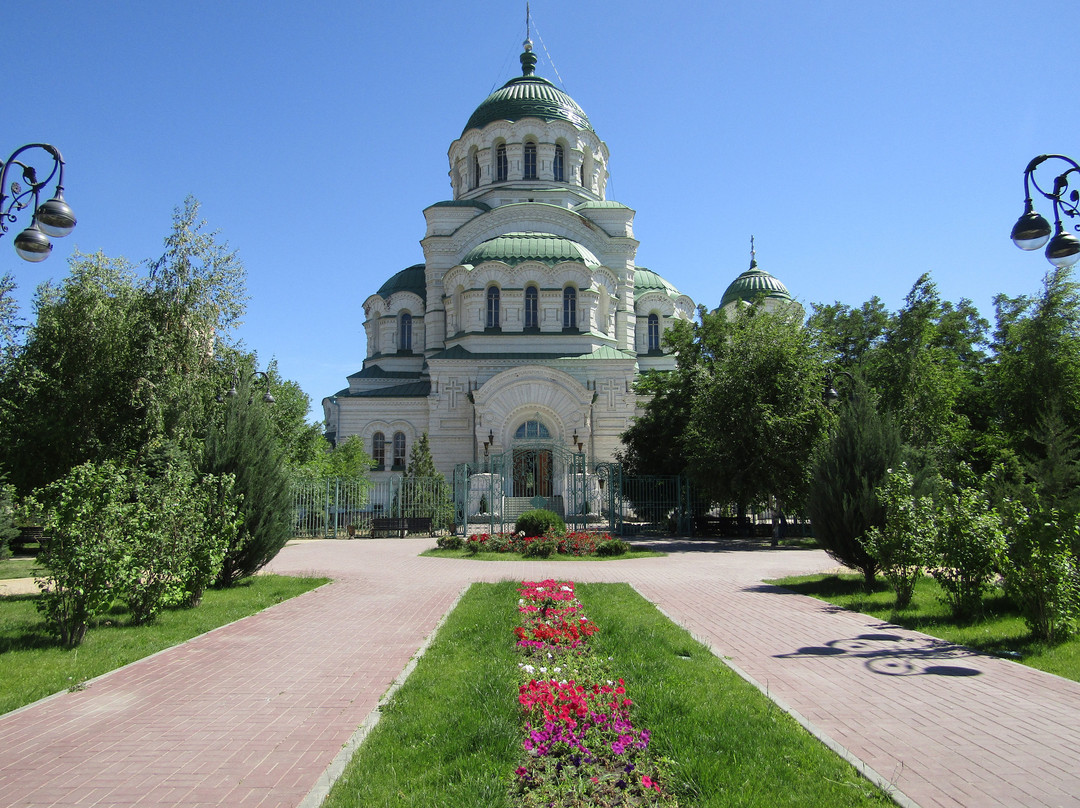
{"x":486,"y":555}
{"x":450,"y":735}
{"x":1000,"y":631}
{"x":18,"y":567}
{"x":33,"y":665}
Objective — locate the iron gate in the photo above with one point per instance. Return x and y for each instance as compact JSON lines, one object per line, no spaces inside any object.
{"x":336,"y":507}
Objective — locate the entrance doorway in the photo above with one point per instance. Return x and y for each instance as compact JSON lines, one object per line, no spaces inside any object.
{"x":532,"y":464}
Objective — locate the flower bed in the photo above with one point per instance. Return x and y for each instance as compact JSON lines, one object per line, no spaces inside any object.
{"x":580,"y":544}
{"x":581,"y":747}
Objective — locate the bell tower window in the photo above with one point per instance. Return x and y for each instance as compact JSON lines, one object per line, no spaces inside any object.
{"x":500,"y":163}
{"x":530,"y":161}
{"x":405,"y":332}
{"x":475,"y":171}
{"x":532,"y":313}
{"x":493,"y":307}
{"x":558,"y":164}
{"x":569,"y":308}
{"x":654,"y":334}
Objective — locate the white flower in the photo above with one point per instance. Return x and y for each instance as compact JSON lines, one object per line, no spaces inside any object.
{"x":558,"y":670}
{"x":567,"y":589}
{"x":543,"y":670}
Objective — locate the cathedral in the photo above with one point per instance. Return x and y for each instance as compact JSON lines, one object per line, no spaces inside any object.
{"x":529,"y":318}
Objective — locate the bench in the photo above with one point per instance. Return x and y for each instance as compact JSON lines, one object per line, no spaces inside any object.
{"x":385,"y":527}
{"x":418,"y":524}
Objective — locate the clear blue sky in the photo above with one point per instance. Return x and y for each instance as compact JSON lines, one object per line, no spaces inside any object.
{"x":861,"y":143}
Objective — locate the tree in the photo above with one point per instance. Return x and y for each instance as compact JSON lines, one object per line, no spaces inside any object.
{"x":847,"y":336}
{"x":115,"y":364}
{"x":424,"y":490}
{"x":756,"y":413}
{"x":843,"y":503}
{"x":242,"y":443}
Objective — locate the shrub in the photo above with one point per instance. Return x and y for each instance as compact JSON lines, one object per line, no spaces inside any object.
{"x":9,"y":531}
{"x":612,"y":547}
{"x":451,"y":542}
{"x":539,"y":546}
{"x":1041,"y":572}
{"x":539,"y":522}
{"x":902,"y":547}
{"x":967,"y":548}
{"x":85,"y":517}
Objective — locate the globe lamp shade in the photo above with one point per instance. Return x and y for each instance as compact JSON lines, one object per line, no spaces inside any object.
{"x":33,"y":245}
{"x":55,"y":217}
{"x":1063,"y":249}
{"x":1031,"y":231}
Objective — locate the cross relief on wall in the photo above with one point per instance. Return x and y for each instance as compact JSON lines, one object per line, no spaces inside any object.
{"x":611,"y":387}
{"x":453,"y":387}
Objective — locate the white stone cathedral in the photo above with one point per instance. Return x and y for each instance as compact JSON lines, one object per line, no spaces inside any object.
{"x":529,"y":317}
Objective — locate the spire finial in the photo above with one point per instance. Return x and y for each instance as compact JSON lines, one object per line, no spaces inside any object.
{"x":753,"y":254}
{"x":528,"y":58}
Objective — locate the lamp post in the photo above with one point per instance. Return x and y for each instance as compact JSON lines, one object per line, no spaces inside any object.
{"x":831,"y":396}
{"x":1032,"y":231}
{"x":257,"y":378}
{"x":51,"y":218}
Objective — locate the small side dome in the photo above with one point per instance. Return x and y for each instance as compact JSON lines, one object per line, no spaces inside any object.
{"x":753,"y":283}
{"x":645,"y":280}
{"x":516,"y":248}
{"x":411,"y":279}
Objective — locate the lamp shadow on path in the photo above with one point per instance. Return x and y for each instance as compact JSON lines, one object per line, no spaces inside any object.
{"x":895,"y":654}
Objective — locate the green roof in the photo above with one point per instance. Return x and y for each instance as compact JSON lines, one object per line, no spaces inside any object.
{"x":462,"y":203}
{"x":645,"y":280}
{"x":528,"y":96}
{"x":376,"y":372}
{"x":605,"y":204}
{"x":414,"y":390}
{"x":410,"y":279}
{"x":752,"y":284}
{"x":516,"y":248}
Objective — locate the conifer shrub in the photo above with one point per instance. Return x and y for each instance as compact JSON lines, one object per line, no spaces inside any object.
{"x":539,"y":522}
{"x":843,"y":502}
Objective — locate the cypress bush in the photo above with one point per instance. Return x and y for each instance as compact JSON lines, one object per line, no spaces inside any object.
{"x":244,"y":445}
{"x":539,"y":522}
{"x":843,"y":503}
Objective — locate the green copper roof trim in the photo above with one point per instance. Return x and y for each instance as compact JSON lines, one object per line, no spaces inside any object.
{"x":528,"y":97}
{"x":411,"y":279}
{"x":414,"y":390}
{"x":605,"y":204}
{"x":752,"y":284}
{"x":462,"y":203}
{"x":376,"y":372}
{"x":516,"y":248}
{"x":645,"y":280}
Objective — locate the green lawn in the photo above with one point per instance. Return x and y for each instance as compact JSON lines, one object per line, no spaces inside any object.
{"x":1001,"y":631}
{"x":450,"y":735}
{"x":33,"y":665}
{"x":17,"y":567}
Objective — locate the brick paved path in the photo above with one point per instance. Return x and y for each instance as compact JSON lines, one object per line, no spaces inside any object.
{"x":253,"y":713}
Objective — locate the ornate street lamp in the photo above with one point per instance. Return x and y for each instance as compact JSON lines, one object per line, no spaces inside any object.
{"x":1032,"y":231}
{"x":258,"y":377}
{"x":51,"y":218}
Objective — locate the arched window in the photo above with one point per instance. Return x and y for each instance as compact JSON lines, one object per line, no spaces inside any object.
{"x":378,"y":450}
{"x":532,"y":307}
{"x":530,"y":161}
{"x":560,"y":174}
{"x":500,"y":163}
{"x":654,"y":333}
{"x":493,"y":307}
{"x":405,"y":332}
{"x":569,"y":307}
{"x":531,"y":430}
{"x":399,"y":450}
{"x":475,"y":171}
{"x":581,"y":175}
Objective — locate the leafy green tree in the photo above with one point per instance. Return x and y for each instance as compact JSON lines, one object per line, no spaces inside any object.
{"x":904,"y":545}
{"x":847,"y":336}
{"x":1040,"y":568}
{"x":756,"y":411}
{"x":648,"y":442}
{"x":242,"y":444}
{"x":843,"y":503}
{"x":86,"y":518}
{"x":1034,"y":382}
{"x":8,"y":528}
{"x":967,"y":549}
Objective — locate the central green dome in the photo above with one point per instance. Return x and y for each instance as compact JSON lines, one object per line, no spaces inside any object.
{"x":515,"y":248}
{"x":528,"y":96}
{"x":755,"y":283}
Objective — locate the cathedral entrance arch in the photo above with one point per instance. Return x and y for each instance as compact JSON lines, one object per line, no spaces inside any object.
{"x":533,"y":462}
